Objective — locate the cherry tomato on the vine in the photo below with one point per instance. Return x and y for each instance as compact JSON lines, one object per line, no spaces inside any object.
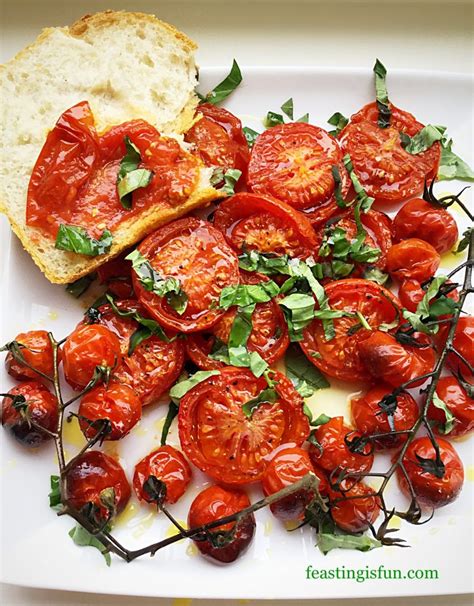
{"x":458,"y":402}
{"x":37,"y":352}
{"x":411,"y":293}
{"x":212,"y":504}
{"x":357,"y":509}
{"x":463,"y":343}
{"x":412,"y":259}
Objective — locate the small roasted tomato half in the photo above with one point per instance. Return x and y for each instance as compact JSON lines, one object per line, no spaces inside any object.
{"x":36,"y":350}
{"x":27,"y":408}
{"x":339,"y":356}
{"x":150,"y":367}
{"x":333,"y":453}
{"x":88,"y":346}
{"x":385,"y":169}
{"x":116,"y":274}
{"x":228,"y":440}
{"x":412,"y":259}
{"x":411,"y":292}
{"x":288,"y":465}
{"x":463,"y":343}
{"x":454,"y":397}
{"x":219,"y":140}
{"x":293,"y":162}
{"x":355,"y":508}
{"x":265,"y":224}
{"x":227,"y":542}
{"x":395,"y":363}
{"x":420,"y":219}
{"x":435,"y":483}
{"x":369,"y":413}
{"x":196,"y":255}
{"x":167,"y":465}
{"x":116,"y":403}
{"x":96,"y":478}
{"x":268,"y":337}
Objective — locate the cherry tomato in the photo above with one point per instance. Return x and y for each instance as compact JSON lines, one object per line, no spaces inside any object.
{"x":196,"y":254}
{"x":370,"y":419}
{"x":154,"y":365}
{"x":168,"y":465}
{"x":430,"y":490}
{"x":411,"y":293}
{"x":339,"y":356}
{"x":34,"y":403}
{"x":269,"y":335}
{"x":463,"y":342}
{"x":420,"y":219}
{"x":288,"y":465}
{"x":215,"y":503}
{"x":222,"y":441}
{"x":385,"y":169}
{"x":355,"y":514}
{"x":412,"y":259}
{"x":74,"y":180}
{"x":117,"y":275}
{"x":254,"y":222}
{"x":116,"y":403}
{"x":37,"y":352}
{"x":88,"y":346}
{"x":334,"y":452}
{"x":450,"y":391}
{"x":219,"y":140}
{"x":293,"y":162}
{"x":89,"y":476}
{"x":388,"y":360}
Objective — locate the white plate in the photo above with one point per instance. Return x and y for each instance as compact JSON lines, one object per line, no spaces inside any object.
{"x":35,"y":547}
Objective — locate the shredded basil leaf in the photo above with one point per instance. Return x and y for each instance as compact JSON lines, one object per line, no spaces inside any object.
{"x":230,"y":178}
{"x":450,"y":419}
{"x":304,"y":375}
{"x":304,"y":118}
{"x":55,"y":493}
{"x":423,"y":139}
{"x":287,"y":108}
{"x":430,"y":307}
{"x":77,"y":240}
{"x":226,"y":87}
{"x":268,"y":264}
{"x":365,"y":200}
{"x":246,"y":294}
{"x":273,"y":119}
{"x":172,"y":413}
{"x":451,"y":166}
{"x":339,"y":121}
{"x":376,"y":275}
{"x":79,"y":287}
{"x":381,"y":94}
{"x":299,"y":312}
{"x":268,"y":395}
{"x":184,"y":385}
{"x":130,"y":177}
{"x":326,"y":542}
{"x":250,"y":135}
{"x":84,"y":538}
{"x":338,"y":187}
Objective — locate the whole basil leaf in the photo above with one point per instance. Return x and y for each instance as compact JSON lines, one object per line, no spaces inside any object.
{"x":76,"y":239}
{"x":226,"y":87}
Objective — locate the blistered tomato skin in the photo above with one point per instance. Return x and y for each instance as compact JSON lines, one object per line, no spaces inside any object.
{"x":339,"y":357}
{"x":168,"y":465}
{"x":388,"y":360}
{"x":370,"y":419}
{"x":450,"y":391}
{"x":195,"y":253}
{"x":88,"y":346}
{"x":420,"y":219}
{"x":411,"y":293}
{"x":334,"y":452}
{"x":412,"y":259}
{"x":385,"y":170}
{"x":215,"y":503}
{"x":355,"y":514}
{"x":222,"y":441}
{"x":463,"y":342}
{"x":92,"y":473}
{"x":293,"y":162}
{"x":154,"y":365}
{"x":116,"y":403}
{"x":430,"y":490}
{"x":37,"y":353}
{"x":288,"y":465}
{"x":40,"y":406}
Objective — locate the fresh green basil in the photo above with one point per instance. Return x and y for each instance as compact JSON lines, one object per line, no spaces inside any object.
{"x":267,"y":396}
{"x":229,"y":177}
{"x":268,"y":264}
{"x":185,"y":384}
{"x":432,"y":305}
{"x":423,"y":139}
{"x":55,"y":493}
{"x":250,"y":135}
{"x":374,"y":274}
{"x":171,"y":414}
{"x":226,"y":87}
{"x":246,"y":294}
{"x":79,"y":287}
{"x":305,"y":377}
{"x":451,"y":166}
{"x":450,"y":419}
{"x":365,"y":200}
{"x":299,"y":312}
{"x":287,"y":108}
{"x":273,"y":119}
{"x":304,"y":118}
{"x":84,"y":538}
{"x":381,"y":94}
{"x":130,"y":177}
{"x":339,"y":121}
{"x":326,"y":542}
{"x":338,"y":187}
{"x":77,"y":240}
{"x":464,"y":242}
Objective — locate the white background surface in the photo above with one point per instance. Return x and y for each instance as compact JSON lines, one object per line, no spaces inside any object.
{"x":406,"y":35}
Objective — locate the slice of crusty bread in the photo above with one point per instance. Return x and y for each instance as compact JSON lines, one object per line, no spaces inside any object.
{"x":127,"y":66}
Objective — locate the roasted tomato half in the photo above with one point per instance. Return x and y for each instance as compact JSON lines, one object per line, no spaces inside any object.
{"x":153,"y":365}
{"x":293,"y":162}
{"x":412,"y":259}
{"x":385,"y":169}
{"x":339,"y":357}
{"x":459,"y":404}
{"x":434,"y":485}
{"x":211,"y":505}
{"x":37,"y":352}
{"x":196,"y":254}
{"x":221,"y":440}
